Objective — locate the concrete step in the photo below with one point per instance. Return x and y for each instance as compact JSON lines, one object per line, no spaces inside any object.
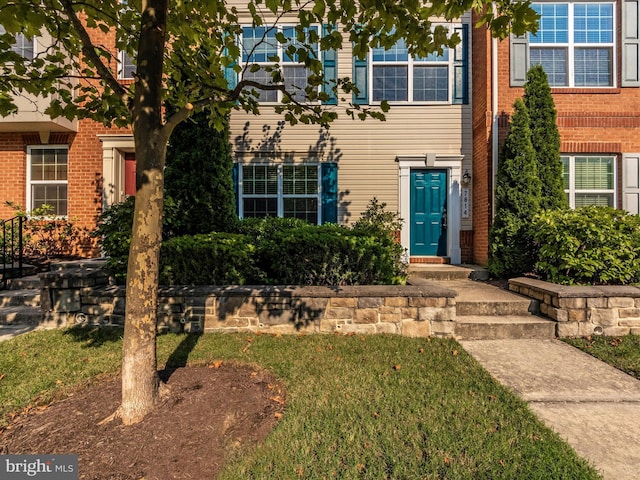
{"x":21,"y":316}
{"x":22,"y":283}
{"x":446,"y":272}
{"x":18,"y":298}
{"x":504,"y":327}
{"x":495,"y":307}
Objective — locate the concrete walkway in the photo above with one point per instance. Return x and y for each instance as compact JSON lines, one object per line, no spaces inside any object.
{"x":9,"y":332}
{"x":593,"y":406}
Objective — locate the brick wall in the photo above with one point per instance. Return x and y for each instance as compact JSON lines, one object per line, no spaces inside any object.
{"x":482,"y":171}
{"x":84,"y":174}
{"x":589,"y":120}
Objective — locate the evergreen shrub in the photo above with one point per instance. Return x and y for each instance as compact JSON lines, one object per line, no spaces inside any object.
{"x":588,"y":246}
{"x":209,"y":259}
{"x":330,"y":255}
{"x":518,"y":190}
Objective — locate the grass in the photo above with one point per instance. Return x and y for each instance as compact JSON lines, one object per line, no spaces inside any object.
{"x":375,"y":407}
{"x":621,"y":352}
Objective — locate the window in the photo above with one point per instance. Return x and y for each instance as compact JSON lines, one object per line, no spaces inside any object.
{"x":305,"y":191}
{"x":575,"y":44}
{"x":395,"y":76}
{"x":126,"y":66}
{"x":47,"y":178}
{"x":22,"y":45}
{"x":589,"y":180}
{"x":261,"y":47}
{"x":398,"y":77}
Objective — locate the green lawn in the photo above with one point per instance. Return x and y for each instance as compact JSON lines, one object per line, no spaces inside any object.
{"x":375,"y":407}
{"x":621,"y":352}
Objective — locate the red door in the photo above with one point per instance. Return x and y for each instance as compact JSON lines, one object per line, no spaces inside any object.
{"x":130,"y":174}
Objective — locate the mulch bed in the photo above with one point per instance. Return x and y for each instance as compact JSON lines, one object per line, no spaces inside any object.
{"x":210,"y":414}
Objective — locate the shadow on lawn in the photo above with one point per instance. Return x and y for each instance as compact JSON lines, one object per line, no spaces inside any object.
{"x":94,"y":337}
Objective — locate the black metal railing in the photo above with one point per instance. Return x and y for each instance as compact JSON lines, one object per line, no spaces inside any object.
{"x":11,"y":254}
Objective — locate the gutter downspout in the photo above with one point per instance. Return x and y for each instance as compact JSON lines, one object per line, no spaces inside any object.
{"x":494,"y":117}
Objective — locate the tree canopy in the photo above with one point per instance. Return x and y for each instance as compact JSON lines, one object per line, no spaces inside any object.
{"x":78,"y":69}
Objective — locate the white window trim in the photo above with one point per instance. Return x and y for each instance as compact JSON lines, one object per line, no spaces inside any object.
{"x":34,"y":44}
{"x":572,"y":176}
{"x":121,"y":63}
{"x":571,"y":46}
{"x":280,"y":195}
{"x":282,"y":62}
{"x":410,"y":64}
{"x":30,"y":183}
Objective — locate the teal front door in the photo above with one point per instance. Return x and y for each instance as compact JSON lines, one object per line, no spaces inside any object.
{"x":428,"y":225}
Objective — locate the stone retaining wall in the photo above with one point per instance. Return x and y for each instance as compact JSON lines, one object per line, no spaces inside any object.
{"x":87,"y":295}
{"x":585,"y":310}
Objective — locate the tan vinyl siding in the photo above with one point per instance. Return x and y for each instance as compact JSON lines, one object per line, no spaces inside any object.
{"x":365,"y":151}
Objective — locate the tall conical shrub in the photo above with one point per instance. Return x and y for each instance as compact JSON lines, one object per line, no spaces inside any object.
{"x":518,"y":188}
{"x":198,"y":177}
{"x":545,"y":138}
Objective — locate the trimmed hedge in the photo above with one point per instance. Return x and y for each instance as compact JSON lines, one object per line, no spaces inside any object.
{"x":209,"y":259}
{"x":588,"y":246}
{"x":328,"y":255}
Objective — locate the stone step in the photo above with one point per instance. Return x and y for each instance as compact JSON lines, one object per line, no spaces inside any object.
{"x":21,"y":316}
{"x":495,"y":307}
{"x":446,"y":272}
{"x":17,"y":298}
{"x":22,"y":283}
{"x":11,"y":270}
{"x":89,"y":263}
{"x":504,"y":327}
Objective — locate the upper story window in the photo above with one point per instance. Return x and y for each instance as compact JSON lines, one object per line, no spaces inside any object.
{"x":22,"y":45}
{"x":260,"y":47}
{"x":47,"y":176}
{"x":398,"y":77}
{"x":393,"y":75}
{"x":589,"y":180}
{"x":126,"y":66}
{"x":575,"y":43}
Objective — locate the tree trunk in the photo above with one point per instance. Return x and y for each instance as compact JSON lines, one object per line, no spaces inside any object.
{"x":140,"y":380}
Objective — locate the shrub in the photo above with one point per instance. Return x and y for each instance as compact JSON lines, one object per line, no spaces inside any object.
{"x":198,"y":176}
{"x":45,"y":235}
{"x":114,"y":232}
{"x":268,"y":251}
{"x":545,"y":138}
{"x":589,"y":245}
{"x":511,"y":247}
{"x":329,"y":255}
{"x":260,"y":228}
{"x":209,"y":259}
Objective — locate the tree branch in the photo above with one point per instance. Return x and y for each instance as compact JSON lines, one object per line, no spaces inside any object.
{"x":88,"y":49}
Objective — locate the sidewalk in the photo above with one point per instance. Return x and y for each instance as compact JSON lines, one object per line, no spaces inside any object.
{"x":8,"y":332}
{"x":593,"y":406}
